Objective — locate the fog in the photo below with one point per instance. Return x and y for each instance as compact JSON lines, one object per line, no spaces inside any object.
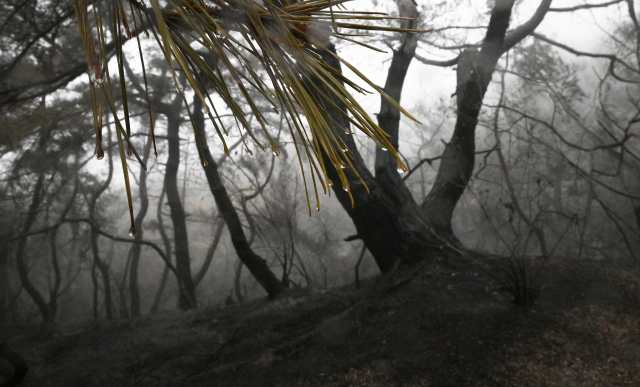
{"x":556,"y":167}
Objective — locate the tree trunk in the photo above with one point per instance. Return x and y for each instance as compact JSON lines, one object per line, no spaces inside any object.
{"x":256,"y":264}
{"x":392,"y":225}
{"x":386,"y":217}
{"x":167,"y":248}
{"x":23,"y":271}
{"x":4,"y":280}
{"x":456,"y":166}
{"x":48,"y":316}
{"x":98,"y":263}
{"x":187,"y":295}
{"x":134,"y":292}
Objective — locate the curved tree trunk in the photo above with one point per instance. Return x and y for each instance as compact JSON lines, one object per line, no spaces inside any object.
{"x":456,"y":166}
{"x":187,"y":296}
{"x":134,"y":293}
{"x":23,"y":271}
{"x":388,"y":219}
{"x":256,"y":264}
{"x":98,"y":263}
{"x":48,"y":315}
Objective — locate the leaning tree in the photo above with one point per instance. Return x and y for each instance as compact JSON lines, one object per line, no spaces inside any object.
{"x":301,"y":77}
{"x":284,"y":52}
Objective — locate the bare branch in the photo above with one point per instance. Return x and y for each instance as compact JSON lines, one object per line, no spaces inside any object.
{"x":516,"y":36}
{"x":439,"y":63}
{"x":97,"y":229}
{"x":585,"y":6}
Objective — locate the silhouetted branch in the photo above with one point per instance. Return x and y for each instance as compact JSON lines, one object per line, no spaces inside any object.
{"x":585,"y":6}
{"x":104,"y":234}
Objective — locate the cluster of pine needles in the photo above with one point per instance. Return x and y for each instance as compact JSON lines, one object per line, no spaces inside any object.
{"x":266,"y":52}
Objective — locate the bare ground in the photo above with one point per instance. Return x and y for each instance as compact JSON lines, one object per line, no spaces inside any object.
{"x":436,"y":324}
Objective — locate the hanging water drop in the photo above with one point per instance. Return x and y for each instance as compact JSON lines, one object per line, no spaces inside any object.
{"x":384,"y":149}
{"x":99,"y":152}
{"x":317,"y":207}
{"x":346,"y":189}
{"x":330,"y":183}
{"x":342,"y":166}
{"x":132,"y":231}
{"x":96,"y":80}
{"x":401,"y":169}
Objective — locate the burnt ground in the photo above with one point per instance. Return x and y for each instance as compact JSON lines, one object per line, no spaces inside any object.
{"x":436,"y":324}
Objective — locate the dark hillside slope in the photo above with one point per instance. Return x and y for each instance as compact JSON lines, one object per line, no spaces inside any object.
{"x":433,"y":325}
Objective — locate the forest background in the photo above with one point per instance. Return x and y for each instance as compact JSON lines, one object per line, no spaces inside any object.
{"x":556,"y":163}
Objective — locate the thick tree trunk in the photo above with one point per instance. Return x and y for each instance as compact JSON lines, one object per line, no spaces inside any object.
{"x":389,"y":221}
{"x":256,"y":264}
{"x":187,"y":296}
{"x":456,"y":166}
{"x":386,"y":217}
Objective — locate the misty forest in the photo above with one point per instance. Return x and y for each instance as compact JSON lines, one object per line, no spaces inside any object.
{"x":319,"y":193}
